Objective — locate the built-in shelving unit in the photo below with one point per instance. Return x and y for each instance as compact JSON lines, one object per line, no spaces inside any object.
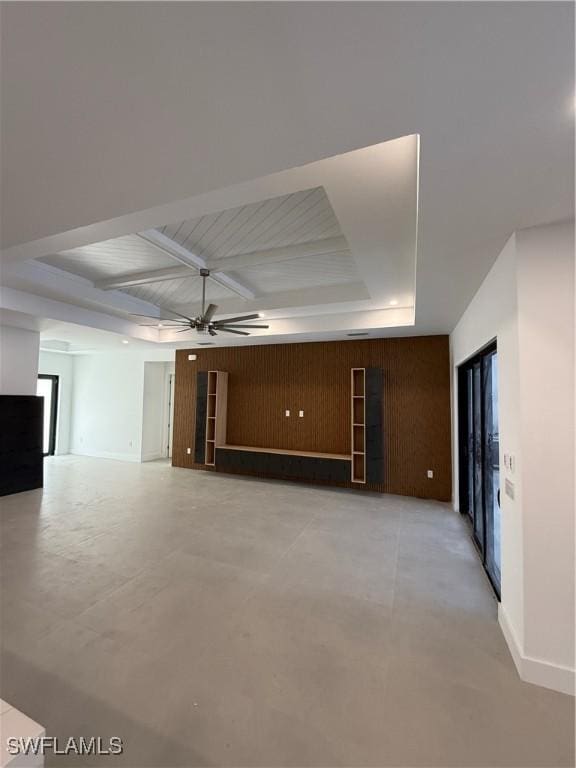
{"x":358,"y":424}
{"x":362,"y":464}
{"x":217,"y":398}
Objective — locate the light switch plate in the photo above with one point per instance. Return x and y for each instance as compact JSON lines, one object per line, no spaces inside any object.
{"x":430,"y":473}
{"x":191,"y":357}
{"x":301,"y":414}
{"x":287,"y":412}
{"x":188,"y":450}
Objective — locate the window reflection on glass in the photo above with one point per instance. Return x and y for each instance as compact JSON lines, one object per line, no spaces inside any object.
{"x":47,"y":388}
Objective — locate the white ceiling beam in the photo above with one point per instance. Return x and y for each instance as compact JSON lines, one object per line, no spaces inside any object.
{"x":44,"y":279}
{"x":277,"y":255}
{"x":145,"y":277}
{"x":53,"y":309}
{"x":173,"y":249}
{"x":184,"y":256}
{"x":218,"y":266}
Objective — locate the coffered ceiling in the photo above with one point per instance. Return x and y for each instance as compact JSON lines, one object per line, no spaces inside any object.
{"x":326,"y":247}
{"x":281,"y":244}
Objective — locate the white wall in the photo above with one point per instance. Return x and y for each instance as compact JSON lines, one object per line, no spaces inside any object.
{"x":60,"y":365}
{"x":18,"y":360}
{"x":107,"y":406}
{"x":154,"y":413}
{"x":119,"y":404}
{"x":546,"y":333}
{"x":527,"y":303}
{"x":492,"y":314}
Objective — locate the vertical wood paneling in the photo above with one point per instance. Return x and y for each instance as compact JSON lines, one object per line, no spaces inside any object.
{"x":266,"y":380}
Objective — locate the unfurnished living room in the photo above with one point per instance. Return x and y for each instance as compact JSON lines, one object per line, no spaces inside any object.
{"x":287,"y":384}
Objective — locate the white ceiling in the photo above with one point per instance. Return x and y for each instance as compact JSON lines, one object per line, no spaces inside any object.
{"x":103,"y":130}
{"x":73,"y":339}
{"x":110,"y":258}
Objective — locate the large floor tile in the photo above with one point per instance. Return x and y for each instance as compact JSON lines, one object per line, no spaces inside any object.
{"x":213,"y":620}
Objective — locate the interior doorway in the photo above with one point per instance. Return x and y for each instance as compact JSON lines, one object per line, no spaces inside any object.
{"x":47,"y":388}
{"x":479,"y":463}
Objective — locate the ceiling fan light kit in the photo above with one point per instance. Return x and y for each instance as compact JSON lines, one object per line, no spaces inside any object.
{"x":204,"y":323}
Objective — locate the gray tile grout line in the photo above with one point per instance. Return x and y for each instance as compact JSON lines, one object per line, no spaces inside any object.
{"x":281,"y":558}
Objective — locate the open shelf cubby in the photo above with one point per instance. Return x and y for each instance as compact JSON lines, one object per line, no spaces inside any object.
{"x":358,"y":438}
{"x":358,"y":424}
{"x":216,"y":414}
{"x":358,"y":382}
{"x":358,"y":468}
{"x":358,"y":411}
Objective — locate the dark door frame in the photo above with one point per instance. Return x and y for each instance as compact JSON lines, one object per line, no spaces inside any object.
{"x":464,"y":450}
{"x":53,"y":412}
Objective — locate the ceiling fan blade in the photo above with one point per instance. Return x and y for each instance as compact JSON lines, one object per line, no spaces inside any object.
{"x":227,"y":320}
{"x":237,"y":325}
{"x":162,"y":325}
{"x":209,"y":314}
{"x":212,"y":332}
{"x":183,"y":330}
{"x":159,"y":319}
{"x":232,"y":330}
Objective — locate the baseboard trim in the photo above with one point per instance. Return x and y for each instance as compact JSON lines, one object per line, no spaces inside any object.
{"x":106,"y":455}
{"x":153,"y":456}
{"x":536,"y":671}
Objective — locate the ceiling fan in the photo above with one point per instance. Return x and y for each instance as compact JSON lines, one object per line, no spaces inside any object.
{"x":204,"y":323}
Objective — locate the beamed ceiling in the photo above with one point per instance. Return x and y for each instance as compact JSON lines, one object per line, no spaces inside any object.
{"x":280,"y":244}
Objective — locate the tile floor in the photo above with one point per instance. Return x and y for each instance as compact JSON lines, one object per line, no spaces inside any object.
{"x":211,"y":620}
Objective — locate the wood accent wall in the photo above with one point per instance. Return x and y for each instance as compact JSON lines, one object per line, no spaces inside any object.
{"x":264,"y":381}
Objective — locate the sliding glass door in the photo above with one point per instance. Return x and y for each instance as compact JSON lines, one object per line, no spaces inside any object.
{"x":479,"y":467}
{"x":491,"y":467}
{"x":47,"y":387}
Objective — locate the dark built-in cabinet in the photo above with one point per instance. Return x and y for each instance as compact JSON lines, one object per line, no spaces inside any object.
{"x":21,"y":457}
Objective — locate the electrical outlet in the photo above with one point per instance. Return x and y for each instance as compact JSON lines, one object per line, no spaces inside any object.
{"x":191,"y":357}
{"x":301,"y":414}
{"x":430,"y":474}
{"x":287,"y":412}
{"x":188,"y":451}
